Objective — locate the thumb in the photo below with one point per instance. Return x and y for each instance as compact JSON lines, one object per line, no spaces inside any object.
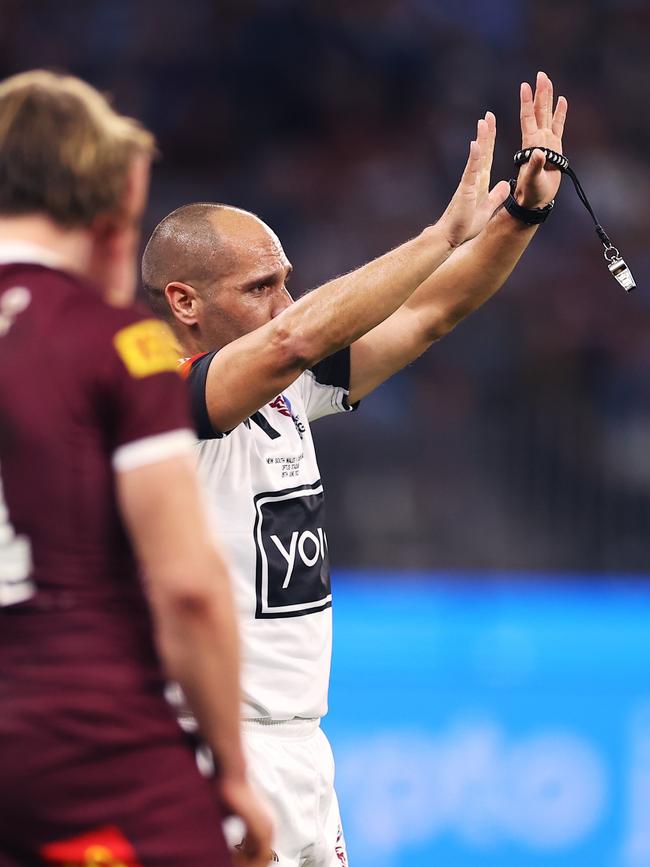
{"x":498,"y":194}
{"x":537,"y":161}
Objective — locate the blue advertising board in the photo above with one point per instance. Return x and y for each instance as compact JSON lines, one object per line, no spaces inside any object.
{"x":479,"y":721}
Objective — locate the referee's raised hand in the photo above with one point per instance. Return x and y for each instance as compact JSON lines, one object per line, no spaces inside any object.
{"x":541,"y":126}
{"x":473,"y":202}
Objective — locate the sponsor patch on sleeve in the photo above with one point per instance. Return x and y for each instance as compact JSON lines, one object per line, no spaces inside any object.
{"x":146,"y":348}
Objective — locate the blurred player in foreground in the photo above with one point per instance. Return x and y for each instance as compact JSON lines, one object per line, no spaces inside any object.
{"x":96,"y":462}
{"x":261,"y":368}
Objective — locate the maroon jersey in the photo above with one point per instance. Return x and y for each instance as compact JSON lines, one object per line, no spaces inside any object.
{"x":84,"y":388}
{"x":93,"y":767}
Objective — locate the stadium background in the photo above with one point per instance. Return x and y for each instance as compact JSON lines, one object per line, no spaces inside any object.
{"x":491,"y":704}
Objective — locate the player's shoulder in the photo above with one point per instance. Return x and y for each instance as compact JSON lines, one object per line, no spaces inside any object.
{"x":102,"y":317}
{"x":69,"y":296}
{"x":144,"y":344}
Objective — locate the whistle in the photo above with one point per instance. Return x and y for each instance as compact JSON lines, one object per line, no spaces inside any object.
{"x":622,"y":273}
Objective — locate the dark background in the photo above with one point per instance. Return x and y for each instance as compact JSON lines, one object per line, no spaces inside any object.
{"x":520,"y":442}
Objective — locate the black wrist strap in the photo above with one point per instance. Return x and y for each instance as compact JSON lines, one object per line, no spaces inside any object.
{"x":614,"y":260}
{"x":530,"y":216}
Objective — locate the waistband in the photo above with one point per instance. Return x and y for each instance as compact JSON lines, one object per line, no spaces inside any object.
{"x":286,"y":728}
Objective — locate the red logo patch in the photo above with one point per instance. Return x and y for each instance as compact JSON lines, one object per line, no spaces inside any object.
{"x":102,"y":847}
{"x":341,"y":854}
{"x":281,"y":406}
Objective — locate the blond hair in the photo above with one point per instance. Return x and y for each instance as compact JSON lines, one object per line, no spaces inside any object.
{"x":64,"y":151}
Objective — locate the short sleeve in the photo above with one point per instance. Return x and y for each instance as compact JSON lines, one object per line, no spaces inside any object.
{"x":197,"y":375}
{"x":142,"y":397}
{"x":326,"y":386}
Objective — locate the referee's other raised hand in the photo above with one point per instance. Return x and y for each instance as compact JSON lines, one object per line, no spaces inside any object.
{"x":473,"y":203}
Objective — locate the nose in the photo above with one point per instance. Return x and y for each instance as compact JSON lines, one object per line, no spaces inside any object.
{"x":281,"y":300}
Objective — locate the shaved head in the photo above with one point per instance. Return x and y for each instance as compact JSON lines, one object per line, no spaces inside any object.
{"x":185,"y":246}
{"x":214,"y":272}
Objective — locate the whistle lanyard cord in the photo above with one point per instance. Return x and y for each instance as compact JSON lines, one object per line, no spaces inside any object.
{"x":562,"y":163}
{"x":617,"y":267}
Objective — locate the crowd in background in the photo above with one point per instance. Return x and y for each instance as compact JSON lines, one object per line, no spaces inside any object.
{"x":521,"y":440}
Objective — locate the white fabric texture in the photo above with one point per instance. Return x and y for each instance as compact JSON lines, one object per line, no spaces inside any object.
{"x":263,"y":484}
{"x":292,"y":767}
{"x":153,"y":449}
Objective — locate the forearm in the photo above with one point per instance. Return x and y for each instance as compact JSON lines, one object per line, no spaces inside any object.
{"x":477,"y":269}
{"x":338,"y":313}
{"x":250,"y":371}
{"x":470,"y":276}
{"x":198,"y":643}
{"x":247,"y":372}
{"x":190,"y":597}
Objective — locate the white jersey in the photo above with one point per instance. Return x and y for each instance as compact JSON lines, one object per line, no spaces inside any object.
{"x":265,"y":491}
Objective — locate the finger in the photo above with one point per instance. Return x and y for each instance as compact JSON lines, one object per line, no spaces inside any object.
{"x":489,"y":130}
{"x":470,"y":172}
{"x":559,"y":117}
{"x":470,"y":179}
{"x":537,"y":162}
{"x":549,"y":103}
{"x":482,"y":135}
{"x":529,"y":179}
{"x":498,"y":194}
{"x":483,"y":140}
{"x":527,"y":114}
{"x":491,"y":123}
{"x":540,"y":99}
{"x":251,"y":854}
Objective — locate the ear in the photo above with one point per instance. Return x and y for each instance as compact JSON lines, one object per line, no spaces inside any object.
{"x":183,"y":301}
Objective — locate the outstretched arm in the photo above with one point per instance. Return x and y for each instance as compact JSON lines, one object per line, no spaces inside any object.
{"x":477,"y":269}
{"x":254,"y":369}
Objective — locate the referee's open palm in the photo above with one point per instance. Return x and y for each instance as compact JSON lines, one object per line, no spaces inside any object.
{"x":473,"y":202}
{"x":541,"y":126}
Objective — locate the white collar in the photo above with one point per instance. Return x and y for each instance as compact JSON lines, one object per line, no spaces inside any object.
{"x":29,"y":254}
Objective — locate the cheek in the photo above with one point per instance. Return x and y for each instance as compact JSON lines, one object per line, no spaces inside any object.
{"x":258,"y":312}
{"x":227,"y":321}
{"x":226,"y":325}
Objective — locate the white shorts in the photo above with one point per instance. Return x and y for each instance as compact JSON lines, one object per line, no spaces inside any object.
{"x":292,"y":766}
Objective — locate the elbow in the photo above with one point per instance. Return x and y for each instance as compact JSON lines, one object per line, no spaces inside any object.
{"x":181,"y":618}
{"x":290,"y":348}
{"x":191,"y":603}
{"x":443,"y":328}
{"x":441,"y":324}
{"x":185,"y":604}
{"x":442,"y":319}
{"x":183,"y":599}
